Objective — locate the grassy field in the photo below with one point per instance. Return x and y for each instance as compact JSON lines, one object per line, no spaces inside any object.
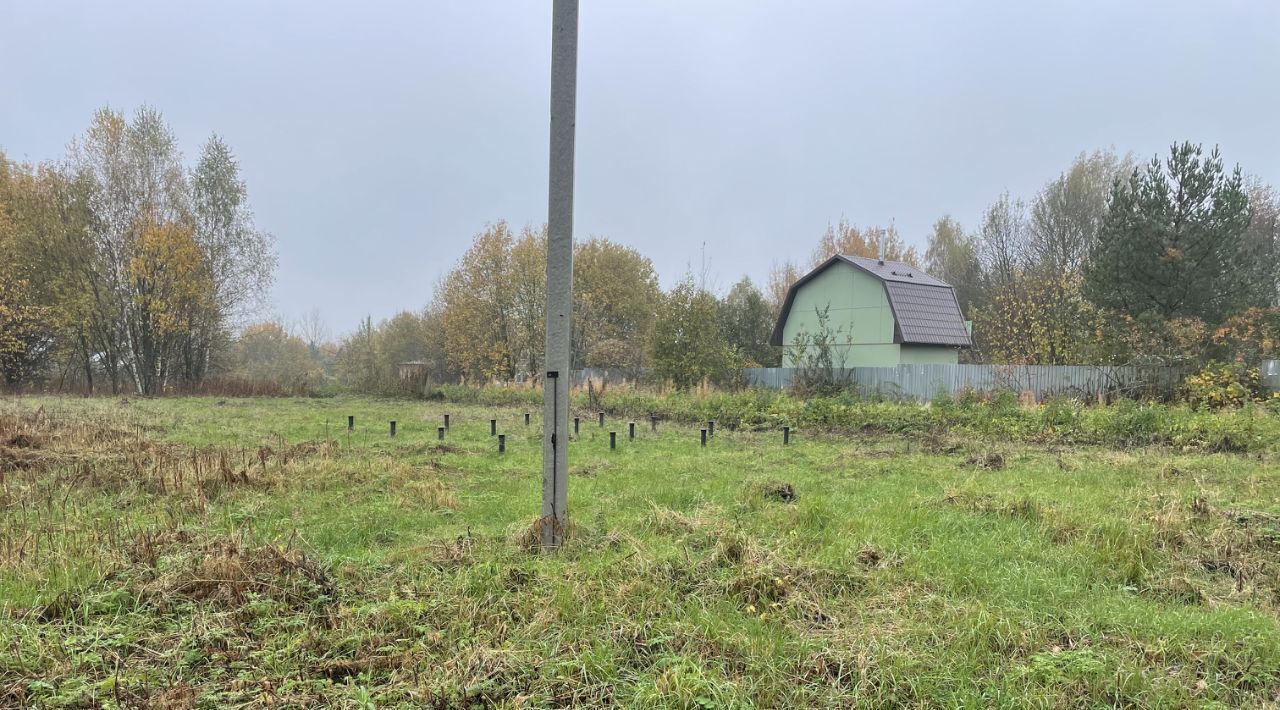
{"x":198,"y":552}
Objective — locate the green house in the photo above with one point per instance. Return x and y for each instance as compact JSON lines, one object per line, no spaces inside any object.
{"x":879,"y":313}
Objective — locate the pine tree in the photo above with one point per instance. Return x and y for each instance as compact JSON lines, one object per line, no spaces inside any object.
{"x":1172,"y":241}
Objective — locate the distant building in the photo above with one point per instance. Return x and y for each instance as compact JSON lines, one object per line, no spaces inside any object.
{"x":881,"y":314}
{"x":413,"y":370}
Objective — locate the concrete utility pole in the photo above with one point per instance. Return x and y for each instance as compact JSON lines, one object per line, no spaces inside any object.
{"x":555,"y":390}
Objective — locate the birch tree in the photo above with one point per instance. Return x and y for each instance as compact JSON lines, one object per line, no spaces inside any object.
{"x":239,"y":257}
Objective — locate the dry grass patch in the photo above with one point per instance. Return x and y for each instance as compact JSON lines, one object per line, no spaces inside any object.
{"x":226,"y":570}
{"x":528,"y":536}
{"x":987,"y":461}
{"x":780,"y":492}
{"x":429,"y":493}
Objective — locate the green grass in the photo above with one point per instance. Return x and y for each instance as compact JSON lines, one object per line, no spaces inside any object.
{"x":954,"y":566}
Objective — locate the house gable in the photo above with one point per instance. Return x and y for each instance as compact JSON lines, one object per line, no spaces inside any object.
{"x":858,"y":314}
{"x":922,"y":309}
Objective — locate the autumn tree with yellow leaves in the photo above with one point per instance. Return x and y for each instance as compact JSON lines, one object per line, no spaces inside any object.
{"x":1038,"y":321}
{"x":139,"y":269}
{"x":487,"y":304}
{"x":25,"y":337}
{"x":1249,"y":337}
{"x":848,"y":239}
{"x":169,"y":289}
{"x":491,"y":307}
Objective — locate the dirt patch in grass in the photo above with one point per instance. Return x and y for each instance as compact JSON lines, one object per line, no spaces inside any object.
{"x":940,"y":442}
{"x":24,"y":440}
{"x":1216,"y":555}
{"x":343,"y":668}
{"x":15,"y":459}
{"x":767,"y":584}
{"x":779,"y":492}
{"x":589,"y":470}
{"x":870,"y":557}
{"x":988,"y":461}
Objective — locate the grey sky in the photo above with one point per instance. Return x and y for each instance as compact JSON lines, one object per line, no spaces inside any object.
{"x":377,"y":138}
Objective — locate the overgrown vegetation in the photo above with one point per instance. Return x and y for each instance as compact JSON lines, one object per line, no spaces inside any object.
{"x":203,"y":552}
{"x":820,"y":363}
{"x":122,"y":268}
{"x":1221,"y":385}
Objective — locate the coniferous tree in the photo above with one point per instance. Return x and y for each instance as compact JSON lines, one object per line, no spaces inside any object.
{"x":1172,"y":242}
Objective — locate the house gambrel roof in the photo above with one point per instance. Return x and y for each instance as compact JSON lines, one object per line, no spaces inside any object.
{"x":925,"y":309}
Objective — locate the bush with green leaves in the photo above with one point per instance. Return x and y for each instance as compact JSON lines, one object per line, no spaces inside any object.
{"x":1221,"y":385}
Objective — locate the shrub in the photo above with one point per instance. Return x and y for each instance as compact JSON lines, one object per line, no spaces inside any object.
{"x":1059,"y":413}
{"x":1221,"y":385}
{"x":1129,"y":423}
{"x":818,"y":372}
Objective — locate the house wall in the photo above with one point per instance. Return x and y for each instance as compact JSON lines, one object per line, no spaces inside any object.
{"x":858,"y":312}
{"x":929,"y":355}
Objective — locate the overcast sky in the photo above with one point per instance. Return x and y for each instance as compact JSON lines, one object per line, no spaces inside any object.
{"x":377,"y":138}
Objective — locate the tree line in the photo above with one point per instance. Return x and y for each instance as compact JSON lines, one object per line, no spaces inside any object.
{"x":121,"y":268}
{"x":124,"y":269}
{"x":486,"y":321}
{"x":1170,"y":262}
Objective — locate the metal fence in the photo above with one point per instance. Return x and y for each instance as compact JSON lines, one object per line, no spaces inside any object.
{"x":924,"y":382}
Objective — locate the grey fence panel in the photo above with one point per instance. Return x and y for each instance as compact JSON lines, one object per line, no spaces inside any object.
{"x":924,"y":382}
{"x":777,"y":378}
